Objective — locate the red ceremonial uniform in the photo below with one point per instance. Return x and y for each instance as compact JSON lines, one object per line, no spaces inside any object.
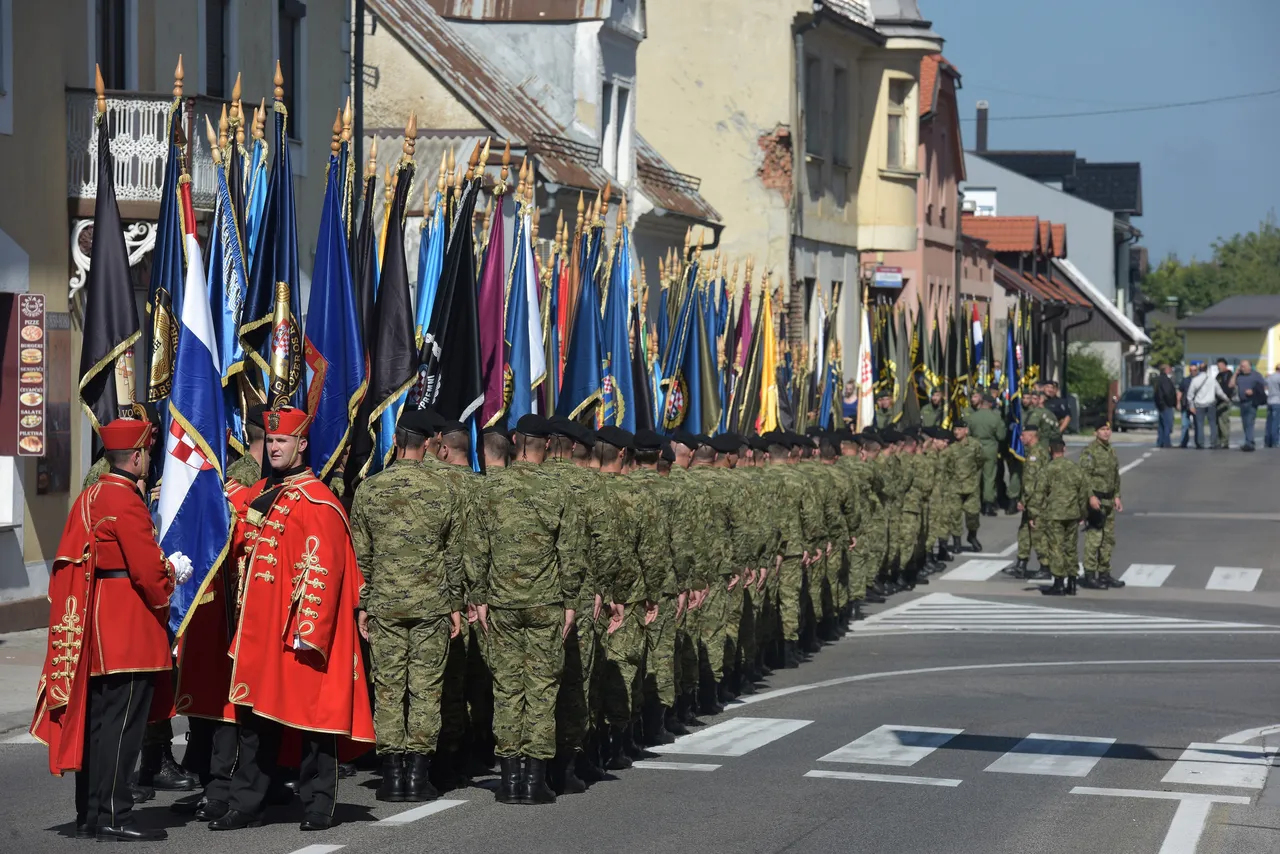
{"x":296,"y":654}
{"x":108,"y":608}
{"x":204,"y":662}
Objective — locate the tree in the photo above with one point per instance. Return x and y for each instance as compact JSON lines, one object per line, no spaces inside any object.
{"x":1088,"y":377}
{"x":1242,"y":264}
{"x":1166,"y":345}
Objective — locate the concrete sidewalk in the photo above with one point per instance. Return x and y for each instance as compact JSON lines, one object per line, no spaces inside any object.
{"x":21,"y":657}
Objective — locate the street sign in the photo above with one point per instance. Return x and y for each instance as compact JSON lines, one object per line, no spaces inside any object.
{"x":887,"y":277}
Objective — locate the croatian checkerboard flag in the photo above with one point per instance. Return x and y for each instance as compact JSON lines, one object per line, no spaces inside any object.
{"x":194,"y":516}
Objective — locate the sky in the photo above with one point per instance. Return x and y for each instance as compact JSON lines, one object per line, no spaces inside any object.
{"x":1207,"y":171}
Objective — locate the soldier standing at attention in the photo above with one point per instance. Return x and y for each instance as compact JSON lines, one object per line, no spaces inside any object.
{"x":884,"y":412}
{"x":409,"y":526}
{"x":1059,"y":502}
{"x":934,"y":412}
{"x":1028,"y":537}
{"x":966,"y":467}
{"x":1102,"y":474}
{"x":536,"y":563}
{"x":99,"y":677}
{"x":988,"y":427}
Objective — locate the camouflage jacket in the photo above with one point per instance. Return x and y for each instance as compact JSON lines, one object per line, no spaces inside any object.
{"x":598,"y":506}
{"x":537,"y":537}
{"x":742,"y":525}
{"x":97,"y":470}
{"x":1101,"y":468}
{"x":650,"y":531}
{"x":705,"y":550}
{"x":1033,"y":463}
{"x":1060,"y":491}
{"x":410,"y":525}
{"x":245,"y":471}
{"x":966,"y":464}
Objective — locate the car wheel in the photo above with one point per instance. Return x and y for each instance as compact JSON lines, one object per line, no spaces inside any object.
{"x":1122,"y":429}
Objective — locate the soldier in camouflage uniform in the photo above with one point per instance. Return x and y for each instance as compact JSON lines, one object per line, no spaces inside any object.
{"x":410,"y":524}
{"x":1028,"y":537}
{"x":800,"y":520}
{"x":941,"y":499}
{"x":988,"y":427}
{"x":915,"y":485}
{"x":1101,"y":470}
{"x":718,"y":570}
{"x":705,"y":551}
{"x":966,"y":466}
{"x":533,"y":579}
{"x":1059,"y":503}
{"x":247,"y":470}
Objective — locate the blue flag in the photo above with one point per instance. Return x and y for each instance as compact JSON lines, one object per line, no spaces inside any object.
{"x":430,"y":263}
{"x":226,"y":283}
{"x":194,"y":516}
{"x":618,"y":386}
{"x":1015,"y":396}
{"x":526,"y":359}
{"x":583,"y":378}
{"x":255,"y":197}
{"x":334,"y":350}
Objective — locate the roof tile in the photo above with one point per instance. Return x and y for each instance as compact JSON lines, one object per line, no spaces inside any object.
{"x":1005,"y":233}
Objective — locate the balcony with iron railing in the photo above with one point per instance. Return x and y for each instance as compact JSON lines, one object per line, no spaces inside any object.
{"x":137,"y":123}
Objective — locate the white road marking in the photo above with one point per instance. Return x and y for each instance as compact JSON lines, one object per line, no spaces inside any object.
{"x":947,"y":612}
{"x":319,"y":849}
{"x":1183,"y":836}
{"x":1147,"y":574}
{"x":1053,"y":755}
{"x":1009,"y":549}
{"x":884,"y":778}
{"x":1131,"y":465}
{"x":1236,"y":578}
{"x":734,"y":737}
{"x":1247,"y":735}
{"x":1241,"y":766}
{"x":673,"y":766}
{"x":419,"y":812}
{"x":899,"y":746}
{"x":975,"y":570}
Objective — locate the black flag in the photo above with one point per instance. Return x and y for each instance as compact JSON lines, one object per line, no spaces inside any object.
{"x":110,"y":314}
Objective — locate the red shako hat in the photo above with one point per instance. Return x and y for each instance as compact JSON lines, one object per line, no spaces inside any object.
{"x":287,"y":421}
{"x":125,"y":434}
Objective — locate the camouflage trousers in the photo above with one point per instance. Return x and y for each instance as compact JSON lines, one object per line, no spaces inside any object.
{"x":791,"y":590}
{"x":1059,"y":539}
{"x":966,"y":511}
{"x":1029,"y":538}
{"x":621,"y":687}
{"x":990,"y":474}
{"x":1100,"y":538}
{"x":748,"y":625}
{"x":940,"y":516}
{"x":579,"y":696}
{"x":526,"y":656}
{"x":733,"y":624}
{"x":1013,"y":479}
{"x":710,"y":619}
{"x":409,"y":662}
{"x":868,"y":557}
{"x":660,"y":654}
{"x":906,"y":527}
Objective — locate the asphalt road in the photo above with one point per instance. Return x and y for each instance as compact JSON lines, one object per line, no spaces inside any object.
{"x":974,"y":717}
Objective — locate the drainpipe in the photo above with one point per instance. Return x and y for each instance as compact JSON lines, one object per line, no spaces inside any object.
{"x":357,"y":82}
{"x":798,"y":146}
{"x":1065,"y":338}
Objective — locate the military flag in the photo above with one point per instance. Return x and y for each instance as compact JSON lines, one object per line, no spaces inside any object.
{"x":526,"y":358}
{"x":767,"y":419}
{"x":618,"y":389}
{"x":1014,"y":391}
{"x":430,"y":254}
{"x":194,"y":518}
{"x":491,"y":310}
{"x":110,"y":315}
{"x":583,"y":382}
{"x":866,"y":373}
{"x":256,"y":180}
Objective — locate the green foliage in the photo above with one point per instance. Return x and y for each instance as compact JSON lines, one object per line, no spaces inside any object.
{"x":1166,"y":345}
{"x":1243,"y":264}
{"x":1088,"y":377}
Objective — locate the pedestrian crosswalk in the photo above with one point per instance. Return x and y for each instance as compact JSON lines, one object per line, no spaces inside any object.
{"x":1237,"y":579}
{"x":945,"y":612}
{"x":927,"y":755}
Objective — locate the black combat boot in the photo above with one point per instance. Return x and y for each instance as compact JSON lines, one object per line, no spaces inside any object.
{"x":394,"y":786}
{"x":1058,"y":588}
{"x":944,"y":551}
{"x":618,"y":758}
{"x":791,"y":654}
{"x":707,"y":704}
{"x":671,"y":721}
{"x":509,"y":777}
{"x":1091,"y":582}
{"x":1071,"y":585}
{"x":585,"y":762}
{"x":689,"y":712}
{"x":1108,"y":581}
{"x":561,"y":776}
{"x":654,"y":731}
{"x":417,"y":776}
{"x":631,"y":740}
{"x":1018,"y":570}
{"x":956,"y":548}
{"x":159,"y":770}
{"x":533,"y":788}
{"x":873,"y":597}
{"x":974,"y":545}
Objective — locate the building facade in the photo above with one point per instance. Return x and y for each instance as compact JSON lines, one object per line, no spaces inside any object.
{"x":48,"y":51}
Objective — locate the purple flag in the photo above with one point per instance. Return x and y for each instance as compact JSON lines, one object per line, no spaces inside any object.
{"x":492,"y":321}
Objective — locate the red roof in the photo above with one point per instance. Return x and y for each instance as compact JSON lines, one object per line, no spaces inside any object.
{"x":1005,"y":233}
{"x":929,"y":67}
{"x":1059,"y":240}
{"x":1039,"y":286}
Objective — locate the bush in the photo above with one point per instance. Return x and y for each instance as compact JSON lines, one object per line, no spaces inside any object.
{"x":1088,"y":377}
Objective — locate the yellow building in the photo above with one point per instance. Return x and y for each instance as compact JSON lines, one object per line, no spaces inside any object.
{"x":801,"y":119}
{"x":1240,"y":327}
{"x":48,"y":50}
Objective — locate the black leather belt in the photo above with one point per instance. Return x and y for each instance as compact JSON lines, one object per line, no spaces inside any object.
{"x":1105,"y":496}
{"x":111,"y":573}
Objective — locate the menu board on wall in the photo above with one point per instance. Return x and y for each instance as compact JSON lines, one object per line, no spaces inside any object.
{"x":31,"y":376}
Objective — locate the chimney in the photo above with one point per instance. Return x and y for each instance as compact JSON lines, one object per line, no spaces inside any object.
{"x":983,"y":107}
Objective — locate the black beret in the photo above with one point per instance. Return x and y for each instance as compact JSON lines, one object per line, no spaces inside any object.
{"x":724,"y":443}
{"x":1031,"y":428}
{"x":648,"y":440}
{"x":684,"y":437}
{"x":254,"y":415}
{"x":758,"y":443}
{"x":559,"y":425}
{"x":888,"y":436}
{"x":534,"y":426}
{"x":912,"y":431}
{"x":500,"y":427}
{"x":870,"y":432}
{"x":616,"y":436}
{"x":947,"y":435}
{"x":958,"y":423}
{"x":423,"y":422}
{"x":847,"y":435}
{"x":450,"y":426}
{"x":668,"y":454}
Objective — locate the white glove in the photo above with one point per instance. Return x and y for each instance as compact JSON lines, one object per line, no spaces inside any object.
{"x":182,"y":568}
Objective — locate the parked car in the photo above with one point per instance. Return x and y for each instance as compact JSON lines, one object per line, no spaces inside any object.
{"x":1136,"y":409}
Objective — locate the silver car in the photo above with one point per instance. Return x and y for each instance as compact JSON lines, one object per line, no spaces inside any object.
{"x":1136,"y":409}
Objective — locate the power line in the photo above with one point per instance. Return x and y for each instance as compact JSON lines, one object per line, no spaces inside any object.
{"x":979,"y":86}
{"x":1120,"y":110}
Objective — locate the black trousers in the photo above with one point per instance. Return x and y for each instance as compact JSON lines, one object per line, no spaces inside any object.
{"x":212,"y":750}
{"x":116,"y":719}
{"x":259,"y":750}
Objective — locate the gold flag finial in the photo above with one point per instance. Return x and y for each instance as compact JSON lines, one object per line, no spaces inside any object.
{"x":336,"y":143}
{"x":278,"y":81}
{"x":533,"y":221}
{"x":371,"y":168}
{"x":608,"y":191}
{"x":410,"y":137}
{"x":222,"y":128}
{"x":688,"y":238}
{"x":475,"y":157}
{"x":346,"y":121}
{"x":235,"y":87}
{"x":388,"y":186}
{"x":177,"y":79}
{"x":213,"y":141}
{"x":622,"y":212}
{"x":99,"y":89}
{"x":506,"y":161}
{"x":444,"y":165}
{"x":260,"y":120}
